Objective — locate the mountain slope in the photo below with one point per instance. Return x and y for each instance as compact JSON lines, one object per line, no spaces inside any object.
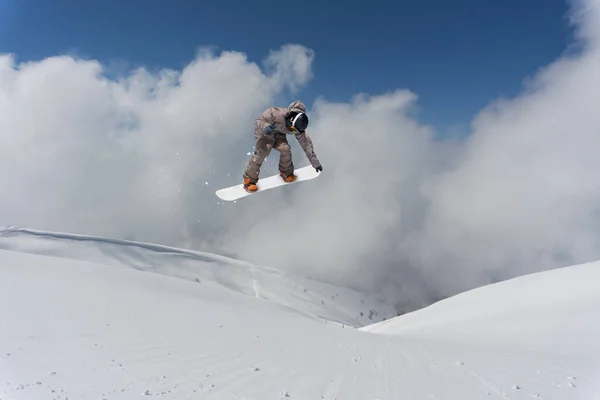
{"x":532,"y":309}
{"x":88,"y":330}
{"x":316,"y":299}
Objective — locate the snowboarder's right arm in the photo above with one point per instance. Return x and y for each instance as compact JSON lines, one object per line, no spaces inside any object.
{"x":266,"y":121}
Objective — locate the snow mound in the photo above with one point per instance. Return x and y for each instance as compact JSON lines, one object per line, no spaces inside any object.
{"x":311,"y":297}
{"x":531,"y":310}
{"x":84,"y":318}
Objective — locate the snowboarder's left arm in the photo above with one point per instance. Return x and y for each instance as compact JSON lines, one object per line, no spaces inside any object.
{"x":307,"y":145}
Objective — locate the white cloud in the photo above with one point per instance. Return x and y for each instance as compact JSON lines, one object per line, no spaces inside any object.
{"x":525,"y":196}
{"x":79,"y":152}
{"x":394,"y":211}
{"x":372,"y":156}
{"x":425,"y":219}
{"x":290,"y":66}
{"x":584,"y":16}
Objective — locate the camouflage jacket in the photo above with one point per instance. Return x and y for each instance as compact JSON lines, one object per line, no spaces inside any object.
{"x":276,"y":116}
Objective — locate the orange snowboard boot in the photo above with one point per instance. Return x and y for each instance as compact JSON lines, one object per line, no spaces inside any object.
{"x":288,"y":179}
{"x":249,"y":185}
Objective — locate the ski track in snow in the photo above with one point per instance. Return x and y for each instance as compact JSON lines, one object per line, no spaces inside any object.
{"x":76,"y":324}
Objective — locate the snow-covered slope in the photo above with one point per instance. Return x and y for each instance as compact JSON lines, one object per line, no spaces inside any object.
{"x":79,"y":329}
{"x":315,"y":298}
{"x":531,"y":310}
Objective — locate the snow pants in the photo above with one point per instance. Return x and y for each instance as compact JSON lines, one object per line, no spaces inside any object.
{"x":264,"y":145}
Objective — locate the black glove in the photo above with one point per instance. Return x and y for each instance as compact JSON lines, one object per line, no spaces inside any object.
{"x":319,"y":168}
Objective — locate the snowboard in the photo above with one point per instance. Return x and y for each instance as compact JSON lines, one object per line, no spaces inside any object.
{"x":237,"y":191}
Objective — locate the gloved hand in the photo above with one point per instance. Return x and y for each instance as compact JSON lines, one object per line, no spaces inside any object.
{"x":319,"y":168}
{"x":269,"y":128}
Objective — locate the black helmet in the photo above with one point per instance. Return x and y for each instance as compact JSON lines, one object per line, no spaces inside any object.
{"x":298,"y":122}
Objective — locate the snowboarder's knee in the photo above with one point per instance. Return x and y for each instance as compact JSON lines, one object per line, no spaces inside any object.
{"x":284,"y":148}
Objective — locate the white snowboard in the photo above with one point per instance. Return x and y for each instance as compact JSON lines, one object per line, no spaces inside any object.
{"x":237,"y":191}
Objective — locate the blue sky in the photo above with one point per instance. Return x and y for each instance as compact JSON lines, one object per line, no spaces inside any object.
{"x":456,"y":55}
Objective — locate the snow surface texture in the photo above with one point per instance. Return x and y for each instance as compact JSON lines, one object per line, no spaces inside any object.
{"x":85,"y":318}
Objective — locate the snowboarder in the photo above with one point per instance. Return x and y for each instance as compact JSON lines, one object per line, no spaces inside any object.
{"x":270,"y":130}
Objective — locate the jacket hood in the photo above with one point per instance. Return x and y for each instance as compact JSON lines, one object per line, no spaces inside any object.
{"x":297,"y":106}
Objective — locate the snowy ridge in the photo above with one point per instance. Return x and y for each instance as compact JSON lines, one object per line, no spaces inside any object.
{"x":308,"y":296}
